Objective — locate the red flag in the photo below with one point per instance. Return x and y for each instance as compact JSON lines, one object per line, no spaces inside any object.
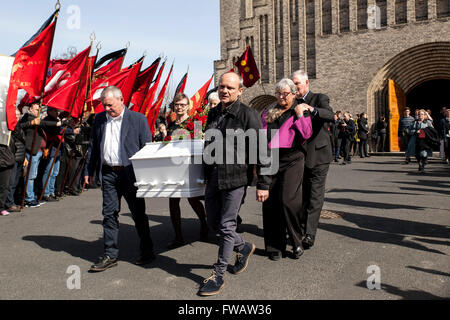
{"x":56,"y":68}
{"x":157,"y":106}
{"x":123,"y":79}
{"x":198,"y":98}
{"x":143,"y":82}
{"x":181,"y":85}
{"x":70,"y":91}
{"x":247,"y":68}
{"x":148,"y":101}
{"x":28,"y":71}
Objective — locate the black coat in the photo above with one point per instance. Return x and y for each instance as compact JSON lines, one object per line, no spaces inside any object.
{"x":25,"y":124}
{"x":363,"y":129}
{"x":237,"y":117}
{"x":318,"y":146}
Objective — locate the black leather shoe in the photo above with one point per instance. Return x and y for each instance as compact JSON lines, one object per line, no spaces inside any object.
{"x":308,"y":241}
{"x":297,"y":252}
{"x":145,"y":259}
{"x":104,"y":263}
{"x":275,"y":255}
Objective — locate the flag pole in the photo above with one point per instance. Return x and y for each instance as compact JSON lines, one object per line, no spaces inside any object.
{"x":85,"y":99}
{"x":57,"y":7}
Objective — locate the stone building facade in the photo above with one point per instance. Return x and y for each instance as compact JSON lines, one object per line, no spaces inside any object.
{"x":350,"y":48}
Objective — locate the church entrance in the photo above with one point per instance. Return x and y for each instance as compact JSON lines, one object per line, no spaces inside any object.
{"x":419,"y":77}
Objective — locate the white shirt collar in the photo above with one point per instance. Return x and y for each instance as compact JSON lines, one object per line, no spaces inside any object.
{"x":120,"y":117}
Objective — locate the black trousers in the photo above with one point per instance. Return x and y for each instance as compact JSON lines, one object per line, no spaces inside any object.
{"x":363,"y":147}
{"x":313,"y":196}
{"x":281,"y":211}
{"x":5,"y":173}
{"x":116,"y":184}
{"x":346,"y":143}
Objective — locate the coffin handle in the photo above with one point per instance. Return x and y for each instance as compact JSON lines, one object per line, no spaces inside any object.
{"x":178,"y":183}
{"x":143,"y":183}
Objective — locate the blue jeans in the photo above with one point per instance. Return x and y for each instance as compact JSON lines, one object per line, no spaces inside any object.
{"x":50,"y":188}
{"x":33,"y":174}
{"x":222,"y":207}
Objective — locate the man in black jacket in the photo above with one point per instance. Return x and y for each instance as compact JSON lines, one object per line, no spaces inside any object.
{"x":347,"y":131}
{"x":17,"y":146}
{"x":28,"y":123}
{"x":318,"y":156}
{"x":227,"y":176}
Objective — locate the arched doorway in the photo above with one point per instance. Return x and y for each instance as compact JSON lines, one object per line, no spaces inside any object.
{"x":413,"y":71}
{"x":431,"y":95}
{"x":261,"y":102}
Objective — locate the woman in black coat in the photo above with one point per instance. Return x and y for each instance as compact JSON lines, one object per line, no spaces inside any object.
{"x":363,"y":132}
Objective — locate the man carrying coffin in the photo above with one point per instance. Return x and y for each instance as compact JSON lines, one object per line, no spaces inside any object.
{"x":227,"y":178}
{"x":117,"y":134}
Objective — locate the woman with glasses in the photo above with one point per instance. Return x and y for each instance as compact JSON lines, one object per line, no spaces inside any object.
{"x":287,"y":131}
{"x":181,"y":109}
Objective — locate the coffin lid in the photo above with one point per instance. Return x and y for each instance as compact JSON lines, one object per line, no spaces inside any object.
{"x":170,"y":149}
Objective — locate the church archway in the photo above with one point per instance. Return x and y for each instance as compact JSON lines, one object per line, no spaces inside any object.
{"x":411,"y":70}
{"x":261,"y":102}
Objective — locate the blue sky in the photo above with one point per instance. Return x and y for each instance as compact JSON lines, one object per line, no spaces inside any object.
{"x":187,"y":31}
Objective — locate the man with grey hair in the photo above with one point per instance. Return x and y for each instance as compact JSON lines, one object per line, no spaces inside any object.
{"x":117,"y":134}
{"x":318,"y":155}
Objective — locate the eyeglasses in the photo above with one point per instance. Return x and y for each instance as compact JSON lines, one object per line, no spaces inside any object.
{"x":282,"y":94}
{"x":182,"y":105}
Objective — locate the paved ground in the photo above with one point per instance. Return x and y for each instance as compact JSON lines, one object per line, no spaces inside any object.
{"x":384,"y":213}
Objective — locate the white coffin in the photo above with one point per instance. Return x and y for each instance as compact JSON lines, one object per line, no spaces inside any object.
{"x":169,"y":169}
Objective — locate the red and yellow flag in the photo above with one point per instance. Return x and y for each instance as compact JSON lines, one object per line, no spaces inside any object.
{"x":198,"y":98}
{"x":247,"y":68}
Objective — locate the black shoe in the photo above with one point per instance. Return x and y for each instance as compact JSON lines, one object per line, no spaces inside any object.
{"x":145,"y":259}
{"x":32,"y":204}
{"x":275,"y":255}
{"x":297,"y":252}
{"x":242,"y":258}
{"x":50,"y":198}
{"x":308,"y":241}
{"x":211,"y":285}
{"x":343,"y":163}
{"x":104,"y":263}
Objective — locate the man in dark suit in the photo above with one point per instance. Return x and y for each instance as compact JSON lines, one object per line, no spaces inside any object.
{"x":117,"y":134}
{"x":318,"y":156}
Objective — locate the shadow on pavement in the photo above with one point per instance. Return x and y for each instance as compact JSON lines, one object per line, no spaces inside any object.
{"x":128,"y":246}
{"x":439,"y":273}
{"x":397,"y":226}
{"x":368,"y":191}
{"x":375,"y":205}
{"x":375,"y":236}
{"x":406,"y":294}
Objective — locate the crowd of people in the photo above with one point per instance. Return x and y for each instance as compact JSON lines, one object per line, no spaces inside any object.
{"x":418,"y":136}
{"x":44,"y":158}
